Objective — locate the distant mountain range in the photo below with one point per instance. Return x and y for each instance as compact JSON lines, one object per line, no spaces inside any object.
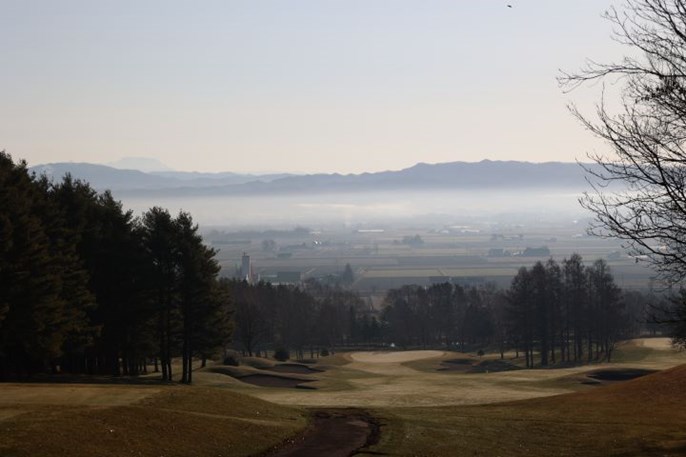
{"x":484,"y":175}
{"x":103,"y":177}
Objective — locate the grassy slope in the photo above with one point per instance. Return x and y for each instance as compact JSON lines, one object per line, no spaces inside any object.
{"x":641,"y":417}
{"x":175,"y":421}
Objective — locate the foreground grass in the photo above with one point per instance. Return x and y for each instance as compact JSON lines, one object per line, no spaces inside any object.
{"x":643,"y":417}
{"x":425,"y":412}
{"x":171,"y":421}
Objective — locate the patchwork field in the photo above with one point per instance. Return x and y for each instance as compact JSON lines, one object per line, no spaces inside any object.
{"x":426,"y":403}
{"x":382,"y":261}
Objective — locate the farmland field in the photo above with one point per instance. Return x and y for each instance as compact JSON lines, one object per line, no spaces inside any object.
{"x":381,"y":259}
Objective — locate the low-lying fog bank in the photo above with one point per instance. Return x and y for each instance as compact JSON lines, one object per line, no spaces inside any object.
{"x":369,"y":208}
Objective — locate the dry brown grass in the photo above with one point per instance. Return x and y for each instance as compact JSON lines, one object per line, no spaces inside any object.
{"x":643,"y":417}
{"x":426,"y":412}
{"x":381,"y":379}
{"x":171,"y":421}
{"x":409,"y":379}
{"x":393,"y":357}
{"x":74,"y":394}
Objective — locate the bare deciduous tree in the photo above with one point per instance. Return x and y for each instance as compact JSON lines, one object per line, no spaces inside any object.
{"x":639,"y":191}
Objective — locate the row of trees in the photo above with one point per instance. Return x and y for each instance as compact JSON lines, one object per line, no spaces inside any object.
{"x":311,"y":317}
{"x":87,"y":288}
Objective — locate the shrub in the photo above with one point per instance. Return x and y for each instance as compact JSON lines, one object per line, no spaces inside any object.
{"x":232,"y":359}
{"x":324,"y":352}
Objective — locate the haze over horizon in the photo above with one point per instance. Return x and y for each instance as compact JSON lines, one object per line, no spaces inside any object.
{"x":307,"y":87}
{"x":155,"y":165}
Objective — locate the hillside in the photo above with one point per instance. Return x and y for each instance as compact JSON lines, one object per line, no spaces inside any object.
{"x":641,"y":417}
{"x":107,"y":420}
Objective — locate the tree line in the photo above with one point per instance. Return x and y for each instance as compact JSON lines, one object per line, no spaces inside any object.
{"x":566,"y":313}
{"x":87,"y":288}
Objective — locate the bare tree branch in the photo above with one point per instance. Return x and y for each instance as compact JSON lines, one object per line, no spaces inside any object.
{"x":639,"y":192}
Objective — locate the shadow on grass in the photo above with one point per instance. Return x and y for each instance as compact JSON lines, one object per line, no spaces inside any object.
{"x":87,"y":379}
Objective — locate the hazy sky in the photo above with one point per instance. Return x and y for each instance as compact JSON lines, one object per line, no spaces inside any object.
{"x":295,"y":85}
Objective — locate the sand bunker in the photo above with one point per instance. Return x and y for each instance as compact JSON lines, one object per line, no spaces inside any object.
{"x":475,"y":366}
{"x":493,"y":366}
{"x":394,"y":357}
{"x":460,"y":365}
{"x":619,"y":374}
{"x":273,"y":381}
{"x":294,"y":368}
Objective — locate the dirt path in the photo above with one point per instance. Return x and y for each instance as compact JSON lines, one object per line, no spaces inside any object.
{"x":333,"y":433}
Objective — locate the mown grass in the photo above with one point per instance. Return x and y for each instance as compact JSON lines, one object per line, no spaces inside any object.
{"x":177,"y":421}
{"x":334,"y":360}
{"x":639,"y":351}
{"x":432,"y":364}
{"x":258,"y":362}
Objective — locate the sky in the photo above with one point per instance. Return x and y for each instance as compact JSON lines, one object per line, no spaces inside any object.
{"x":301,"y":86}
